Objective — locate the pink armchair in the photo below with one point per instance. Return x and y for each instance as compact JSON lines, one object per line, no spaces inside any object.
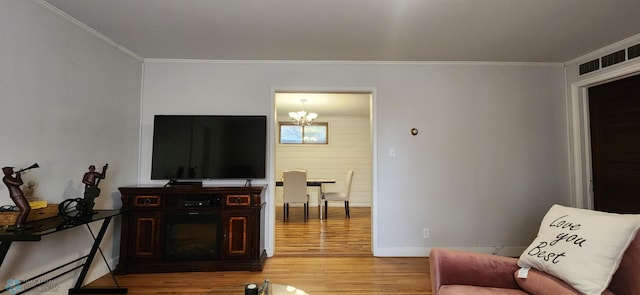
{"x":457,"y":272}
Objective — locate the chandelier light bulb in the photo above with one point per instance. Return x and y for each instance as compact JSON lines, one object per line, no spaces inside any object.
{"x":302,"y":118}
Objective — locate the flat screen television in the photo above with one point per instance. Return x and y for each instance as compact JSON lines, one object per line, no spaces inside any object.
{"x":198,"y":147}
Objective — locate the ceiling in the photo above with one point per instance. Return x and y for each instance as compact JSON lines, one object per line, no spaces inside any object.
{"x":360,"y":30}
{"x":357,"y":30}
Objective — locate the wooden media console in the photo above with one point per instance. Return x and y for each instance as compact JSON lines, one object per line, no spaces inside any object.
{"x":179,"y":229}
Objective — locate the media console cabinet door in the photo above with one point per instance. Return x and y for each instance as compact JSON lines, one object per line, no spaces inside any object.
{"x":143,"y":234}
{"x":238,"y":235}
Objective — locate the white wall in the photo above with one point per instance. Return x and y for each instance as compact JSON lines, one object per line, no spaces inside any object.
{"x":349,"y":148}
{"x":67,"y":100}
{"x":490,"y":159}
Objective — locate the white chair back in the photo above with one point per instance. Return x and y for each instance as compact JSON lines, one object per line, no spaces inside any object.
{"x":294,"y":184}
{"x":347,"y":185}
{"x":340,"y":196}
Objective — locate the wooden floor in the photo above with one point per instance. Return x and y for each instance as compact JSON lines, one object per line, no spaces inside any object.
{"x":333,"y":236}
{"x":331,"y":256}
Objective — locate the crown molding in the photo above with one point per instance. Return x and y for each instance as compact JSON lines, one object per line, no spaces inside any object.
{"x":356,"y":62}
{"x":44,"y":4}
{"x":622,"y":44}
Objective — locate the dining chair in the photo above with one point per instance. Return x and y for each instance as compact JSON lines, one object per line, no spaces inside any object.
{"x":294,"y":183}
{"x":339,"y":196}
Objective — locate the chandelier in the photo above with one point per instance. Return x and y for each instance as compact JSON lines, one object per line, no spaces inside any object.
{"x":302,"y":118}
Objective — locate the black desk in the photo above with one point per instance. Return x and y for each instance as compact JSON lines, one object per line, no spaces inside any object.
{"x":39,"y":228}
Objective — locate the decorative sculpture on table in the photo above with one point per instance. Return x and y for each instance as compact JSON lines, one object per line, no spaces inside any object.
{"x":30,"y":191}
{"x":83,"y":207}
{"x":16,"y":194}
{"x":91,"y":180}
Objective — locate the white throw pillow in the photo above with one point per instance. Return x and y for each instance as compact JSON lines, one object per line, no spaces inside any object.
{"x":581,"y":247}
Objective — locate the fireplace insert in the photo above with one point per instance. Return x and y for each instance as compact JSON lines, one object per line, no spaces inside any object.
{"x":192,"y":235}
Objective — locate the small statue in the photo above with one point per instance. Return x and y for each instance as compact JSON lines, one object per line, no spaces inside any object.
{"x":13,"y":184}
{"x":30,"y":191}
{"x":91,"y":180}
{"x":83,"y":207}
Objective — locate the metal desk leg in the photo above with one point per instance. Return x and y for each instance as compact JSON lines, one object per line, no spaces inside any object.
{"x":85,"y":268}
{"x":4,"y":248}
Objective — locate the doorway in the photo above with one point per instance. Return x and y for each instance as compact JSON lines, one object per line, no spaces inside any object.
{"x":347,"y":116}
{"x":614,"y":113}
{"x":580,"y":165}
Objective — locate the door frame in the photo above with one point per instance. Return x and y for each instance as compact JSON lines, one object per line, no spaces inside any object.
{"x":580,"y":166}
{"x":270,"y":216}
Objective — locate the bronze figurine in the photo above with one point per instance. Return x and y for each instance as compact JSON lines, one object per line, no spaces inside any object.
{"x":13,"y":184}
{"x":83,"y":207}
{"x":91,"y":180}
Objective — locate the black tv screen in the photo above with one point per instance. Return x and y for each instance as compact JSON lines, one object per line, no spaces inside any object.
{"x":208,"y":147}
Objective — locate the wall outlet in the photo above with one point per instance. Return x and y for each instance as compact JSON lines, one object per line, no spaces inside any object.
{"x":426,"y":233}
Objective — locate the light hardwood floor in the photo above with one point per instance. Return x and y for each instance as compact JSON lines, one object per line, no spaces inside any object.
{"x":333,"y":236}
{"x":332,"y":256}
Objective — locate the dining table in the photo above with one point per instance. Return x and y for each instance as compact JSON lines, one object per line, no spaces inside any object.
{"x":314,"y":182}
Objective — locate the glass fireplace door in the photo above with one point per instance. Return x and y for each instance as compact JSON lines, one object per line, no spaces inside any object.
{"x":192,"y":235}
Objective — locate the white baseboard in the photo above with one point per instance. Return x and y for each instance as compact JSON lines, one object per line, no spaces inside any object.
{"x":424,"y":251}
{"x":333,"y":204}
